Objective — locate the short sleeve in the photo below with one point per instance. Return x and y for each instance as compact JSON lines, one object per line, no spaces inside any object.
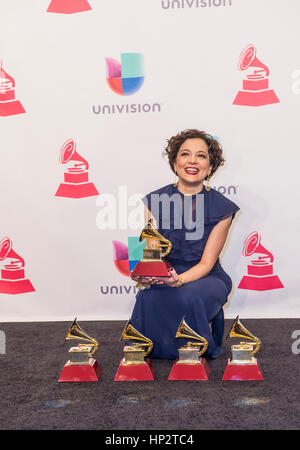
{"x":218,"y":207}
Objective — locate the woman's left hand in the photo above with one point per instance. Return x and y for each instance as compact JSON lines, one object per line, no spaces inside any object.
{"x":171,"y":281}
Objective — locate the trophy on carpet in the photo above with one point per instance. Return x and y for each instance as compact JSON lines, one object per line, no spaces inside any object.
{"x":190,"y":365}
{"x":243,"y":365}
{"x":81,"y":365}
{"x":152,"y":264}
{"x":133,"y":366}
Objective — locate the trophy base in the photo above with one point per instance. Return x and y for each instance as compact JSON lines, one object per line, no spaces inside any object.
{"x":76,"y":190}
{"x":260,"y":283}
{"x":68,"y":6}
{"x":242,"y":372}
{"x":135,"y":372}
{"x":259,"y":98}
{"x":81,"y":372}
{"x":11,"y":108}
{"x":152,"y":269}
{"x":194,"y":371}
{"x":16,"y":286}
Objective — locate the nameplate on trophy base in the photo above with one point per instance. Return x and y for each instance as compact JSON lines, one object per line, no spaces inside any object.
{"x":189,"y":366}
{"x":79,"y":355}
{"x":135,"y":372}
{"x":81,"y":372}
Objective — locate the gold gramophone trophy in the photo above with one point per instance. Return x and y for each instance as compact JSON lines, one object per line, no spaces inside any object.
{"x":190,"y":365}
{"x":133,"y":366}
{"x":81,"y":365}
{"x":243,"y":365}
{"x":152,"y":264}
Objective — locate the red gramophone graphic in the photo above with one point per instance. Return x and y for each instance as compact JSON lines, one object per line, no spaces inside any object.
{"x":260,"y":275}
{"x":256,"y":90}
{"x":68,"y":6}
{"x":9,"y":106}
{"x":76,"y":176}
{"x":12,"y":280}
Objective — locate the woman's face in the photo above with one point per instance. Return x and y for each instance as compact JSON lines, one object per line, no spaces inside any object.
{"x":192,"y":163}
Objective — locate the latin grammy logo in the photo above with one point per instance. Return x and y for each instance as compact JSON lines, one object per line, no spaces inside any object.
{"x":12,"y":280}
{"x":68,"y":6}
{"x":9,"y":106}
{"x":256,"y":90}
{"x":76,"y":177}
{"x":260,"y":275}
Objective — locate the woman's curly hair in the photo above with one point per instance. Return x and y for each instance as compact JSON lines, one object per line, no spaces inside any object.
{"x":214,"y":148}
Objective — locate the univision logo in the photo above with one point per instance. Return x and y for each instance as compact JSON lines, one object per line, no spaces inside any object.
{"x":125,"y":77}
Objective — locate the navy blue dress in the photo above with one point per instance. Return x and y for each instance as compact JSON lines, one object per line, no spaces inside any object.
{"x":158,"y":311}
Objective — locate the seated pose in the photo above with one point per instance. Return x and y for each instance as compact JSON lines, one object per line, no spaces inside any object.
{"x":196,"y":219}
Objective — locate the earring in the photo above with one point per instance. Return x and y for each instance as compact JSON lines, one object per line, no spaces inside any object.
{"x":207,"y":186}
{"x":175,"y":180}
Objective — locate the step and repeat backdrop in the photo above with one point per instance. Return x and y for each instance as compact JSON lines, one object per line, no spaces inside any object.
{"x":90,"y":91}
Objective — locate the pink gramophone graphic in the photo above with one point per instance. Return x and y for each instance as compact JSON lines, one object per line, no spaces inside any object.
{"x":68,"y":6}
{"x":9,"y":106}
{"x":76,"y":176}
{"x":256,"y":90}
{"x":260,"y":275}
{"x":12,"y":280}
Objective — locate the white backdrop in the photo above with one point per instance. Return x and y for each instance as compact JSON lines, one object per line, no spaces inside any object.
{"x":191,"y":52}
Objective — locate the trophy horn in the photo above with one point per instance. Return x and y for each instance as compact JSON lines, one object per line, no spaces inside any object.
{"x":76,"y":332}
{"x":150,"y":232}
{"x":185,"y":331}
{"x":131,"y":333}
{"x":238,"y":330}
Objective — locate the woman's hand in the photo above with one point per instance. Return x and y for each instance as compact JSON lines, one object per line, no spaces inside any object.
{"x":171,"y":281}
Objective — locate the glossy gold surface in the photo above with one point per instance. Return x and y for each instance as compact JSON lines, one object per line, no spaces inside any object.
{"x":130,"y":333}
{"x":76,"y":332}
{"x":150,"y":232}
{"x":238,"y":330}
{"x":185,"y":331}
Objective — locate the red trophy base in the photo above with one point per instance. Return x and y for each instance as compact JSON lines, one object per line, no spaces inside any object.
{"x":135,"y":372}
{"x":260,"y":283}
{"x":242,"y":372}
{"x":15,"y":286}
{"x":11,"y":108}
{"x":152,"y":269}
{"x":68,"y":6}
{"x":76,"y":190}
{"x":256,"y":98}
{"x":199,"y":371}
{"x":81,"y":372}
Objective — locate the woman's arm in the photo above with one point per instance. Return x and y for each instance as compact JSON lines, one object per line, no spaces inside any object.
{"x":212,"y":250}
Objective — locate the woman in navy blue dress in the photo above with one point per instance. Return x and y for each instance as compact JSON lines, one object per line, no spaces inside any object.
{"x":196,"y":220}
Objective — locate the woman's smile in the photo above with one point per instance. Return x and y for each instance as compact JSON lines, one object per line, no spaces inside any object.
{"x":192,"y":165}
